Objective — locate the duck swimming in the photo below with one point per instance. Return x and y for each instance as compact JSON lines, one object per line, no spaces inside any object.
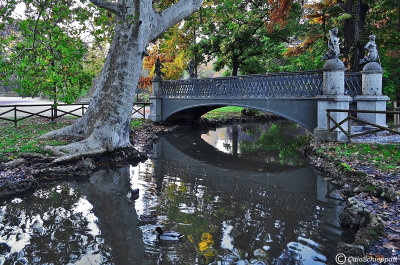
{"x":168,"y":235}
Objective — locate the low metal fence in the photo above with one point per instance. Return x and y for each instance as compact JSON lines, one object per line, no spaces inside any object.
{"x":396,"y":117}
{"x":352,"y":117}
{"x":140,"y":110}
{"x":17,"y":113}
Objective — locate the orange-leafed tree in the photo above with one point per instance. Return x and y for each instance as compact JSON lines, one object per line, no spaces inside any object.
{"x":174,"y":53}
{"x":279,"y":13}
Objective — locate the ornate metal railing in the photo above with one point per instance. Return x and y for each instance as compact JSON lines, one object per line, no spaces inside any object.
{"x":352,"y":84}
{"x":285,"y":84}
{"x":293,"y":84}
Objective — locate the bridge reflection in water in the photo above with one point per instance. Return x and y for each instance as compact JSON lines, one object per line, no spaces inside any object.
{"x":245,"y":205}
{"x":260,"y":212}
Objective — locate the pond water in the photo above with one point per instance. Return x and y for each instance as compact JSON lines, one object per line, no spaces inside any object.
{"x":240,"y":194}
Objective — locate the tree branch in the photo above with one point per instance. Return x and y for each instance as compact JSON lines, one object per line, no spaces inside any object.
{"x":112,"y":7}
{"x":173,"y":15}
{"x":36,"y":23}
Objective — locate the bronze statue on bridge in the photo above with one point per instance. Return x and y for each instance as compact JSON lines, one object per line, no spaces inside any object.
{"x":158,"y":66}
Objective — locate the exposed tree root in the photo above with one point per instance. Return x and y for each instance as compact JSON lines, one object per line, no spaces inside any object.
{"x":77,"y":156}
{"x":69,"y":132}
{"x":91,"y":147}
{"x":76,"y":150}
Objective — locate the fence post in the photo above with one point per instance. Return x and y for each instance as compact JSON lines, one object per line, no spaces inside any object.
{"x":396,"y":117}
{"x":15,"y":115}
{"x":52,"y":114}
{"x":328,"y":119}
{"x":349,"y":124}
{"x":83,"y":110}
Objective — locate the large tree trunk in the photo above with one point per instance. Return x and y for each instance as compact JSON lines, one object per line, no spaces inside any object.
{"x":353,"y":32}
{"x":105,"y":125}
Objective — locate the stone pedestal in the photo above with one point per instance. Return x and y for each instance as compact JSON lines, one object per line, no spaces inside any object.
{"x":332,"y":102}
{"x":372,"y":103}
{"x":155,"y":109}
{"x":372,"y":98}
{"x":333,"y":82}
{"x":156,"y":100}
{"x":372,"y":79}
{"x":333,"y":98}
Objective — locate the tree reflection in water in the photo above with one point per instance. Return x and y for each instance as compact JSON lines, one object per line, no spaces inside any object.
{"x":231,"y":215}
{"x":230,"y":207}
{"x":90,"y":222}
{"x":52,"y":226}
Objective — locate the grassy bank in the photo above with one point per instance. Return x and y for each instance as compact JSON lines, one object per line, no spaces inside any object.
{"x":382,"y":157}
{"x":24,"y":138}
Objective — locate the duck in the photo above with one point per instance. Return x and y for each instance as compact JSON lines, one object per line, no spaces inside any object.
{"x":168,"y":235}
{"x":133,"y":194}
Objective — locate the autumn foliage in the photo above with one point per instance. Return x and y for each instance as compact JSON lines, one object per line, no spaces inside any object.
{"x":304,"y":46}
{"x":318,"y":13}
{"x":174,"y":54}
{"x":279,"y":13}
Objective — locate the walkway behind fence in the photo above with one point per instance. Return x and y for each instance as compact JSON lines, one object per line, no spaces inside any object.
{"x":352,"y":116}
{"x":16,"y":113}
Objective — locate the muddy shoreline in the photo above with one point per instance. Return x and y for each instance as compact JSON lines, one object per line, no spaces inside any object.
{"x":372,"y":197}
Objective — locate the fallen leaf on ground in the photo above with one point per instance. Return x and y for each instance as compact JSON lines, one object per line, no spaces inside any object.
{"x":393,"y":237}
{"x":390,"y":245}
{"x":395,"y":230}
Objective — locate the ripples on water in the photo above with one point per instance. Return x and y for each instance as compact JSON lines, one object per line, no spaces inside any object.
{"x":234,"y":203}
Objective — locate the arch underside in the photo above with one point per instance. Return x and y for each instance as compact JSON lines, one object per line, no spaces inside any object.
{"x":302,"y":111}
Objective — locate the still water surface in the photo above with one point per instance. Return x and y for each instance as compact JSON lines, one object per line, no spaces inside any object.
{"x":240,"y":194}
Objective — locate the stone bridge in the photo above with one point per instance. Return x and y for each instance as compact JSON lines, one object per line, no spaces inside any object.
{"x":302,"y":97}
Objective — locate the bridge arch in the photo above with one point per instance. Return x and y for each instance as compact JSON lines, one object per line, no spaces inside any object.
{"x":299,"y":110}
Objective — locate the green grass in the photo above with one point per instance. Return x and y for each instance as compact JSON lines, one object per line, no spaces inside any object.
{"x":224,"y":112}
{"x":384,"y":156}
{"x":346,"y":166}
{"x":137,"y":124}
{"x":23,"y":138}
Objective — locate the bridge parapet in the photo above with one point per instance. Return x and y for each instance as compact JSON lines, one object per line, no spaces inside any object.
{"x":293,"y":95}
{"x":293,"y":84}
{"x":305,"y":84}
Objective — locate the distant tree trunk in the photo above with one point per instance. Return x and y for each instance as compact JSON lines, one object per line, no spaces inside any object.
{"x":105,"y":125}
{"x":398,"y":17}
{"x":354,"y":28}
{"x":235,"y":66}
